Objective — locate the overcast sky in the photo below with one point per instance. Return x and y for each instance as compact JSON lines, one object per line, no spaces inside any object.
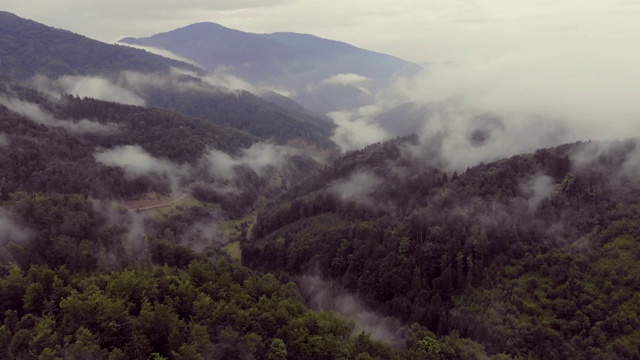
{"x":417,"y":30}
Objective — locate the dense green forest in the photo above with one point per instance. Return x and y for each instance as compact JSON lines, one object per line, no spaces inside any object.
{"x":76,"y":288}
{"x":535,"y":256}
{"x":484,"y":253}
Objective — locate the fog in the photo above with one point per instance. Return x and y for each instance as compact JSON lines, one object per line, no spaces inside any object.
{"x":347,"y":79}
{"x":358,"y":187}
{"x":538,"y":188}
{"x":565,"y":74}
{"x":10,"y":230}
{"x":132,"y":88}
{"x":162,"y":52}
{"x":136,"y":162}
{"x":322,"y":295}
{"x":92,"y":87}
{"x":357,"y":128}
{"x":38,"y":115}
{"x":4,"y":140}
{"x":259,"y":157}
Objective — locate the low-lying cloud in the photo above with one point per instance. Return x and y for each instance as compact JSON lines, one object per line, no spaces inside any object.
{"x":162,"y":52}
{"x":540,"y":99}
{"x":91,"y":87}
{"x":10,"y":231}
{"x":358,"y":187}
{"x":132,"y":88}
{"x":36,"y":114}
{"x":455,"y":137}
{"x":259,"y":157}
{"x":136,"y":163}
{"x":357,"y":129}
{"x":4,"y":140}
{"x":346,"y":79}
{"x":537,"y":189}
{"x":323,"y":296}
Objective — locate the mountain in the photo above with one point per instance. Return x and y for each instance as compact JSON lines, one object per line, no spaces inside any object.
{"x":310,"y":67}
{"x":518,"y":254}
{"x":83,"y":277}
{"x":28,"y":48}
{"x":73,"y":63}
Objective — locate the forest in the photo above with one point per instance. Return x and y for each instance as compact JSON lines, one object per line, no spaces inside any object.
{"x":534,"y":256}
{"x":82,"y":285}
{"x":276,"y":244}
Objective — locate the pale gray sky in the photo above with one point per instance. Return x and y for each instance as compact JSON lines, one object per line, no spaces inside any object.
{"x":417,"y":30}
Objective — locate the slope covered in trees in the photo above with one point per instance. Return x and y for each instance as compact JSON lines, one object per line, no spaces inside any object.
{"x":247,"y":112}
{"x":86,"y":284}
{"x":534,"y":238}
{"x":46,"y":157}
{"x":28,"y":49}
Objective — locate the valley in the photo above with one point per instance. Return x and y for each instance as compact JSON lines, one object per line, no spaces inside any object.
{"x":279,"y":195}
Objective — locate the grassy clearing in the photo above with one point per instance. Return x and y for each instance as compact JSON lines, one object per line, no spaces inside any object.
{"x":234,"y":250}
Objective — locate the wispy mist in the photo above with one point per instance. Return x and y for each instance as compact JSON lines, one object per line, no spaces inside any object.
{"x":259,"y":157}
{"x":540,"y":99}
{"x":4,"y":140}
{"x":36,"y":114}
{"x":357,"y":128}
{"x":130,"y":87}
{"x":347,"y":79}
{"x":162,"y":52}
{"x":10,"y":231}
{"x":92,"y":87}
{"x":358,"y":187}
{"x":538,"y":188}
{"x":136,"y":162}
{"x":323,"y":296}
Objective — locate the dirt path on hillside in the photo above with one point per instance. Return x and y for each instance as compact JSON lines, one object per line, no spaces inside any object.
{"x":171,"y":202}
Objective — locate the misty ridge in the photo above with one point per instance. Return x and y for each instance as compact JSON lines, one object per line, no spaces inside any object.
{"x":36,"y":114}
{"x":130,"y":87}
{"x":323,"y":295}
{"x":260,"y":158}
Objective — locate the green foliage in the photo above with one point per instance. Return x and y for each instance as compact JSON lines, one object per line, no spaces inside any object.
{"x":473,"y":255}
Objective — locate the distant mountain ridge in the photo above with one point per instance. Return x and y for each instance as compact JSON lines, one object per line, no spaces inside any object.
{"x":299,"y":63}
{"x":28,"y":48}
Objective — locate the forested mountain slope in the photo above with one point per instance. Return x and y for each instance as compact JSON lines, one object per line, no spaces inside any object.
{"x":50,"y":146}
{"x":28,"y":48}
{"x":74,"y":64}
{"x":81,"y":288}
{"x":440,"y":249}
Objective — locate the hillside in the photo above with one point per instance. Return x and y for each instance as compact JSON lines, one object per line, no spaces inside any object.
{"x":52,"y":143}
{"x":310,"y":67}
{"x":28,"y":48}
{"x":75,"y":64}
{"x":440,"y":249}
